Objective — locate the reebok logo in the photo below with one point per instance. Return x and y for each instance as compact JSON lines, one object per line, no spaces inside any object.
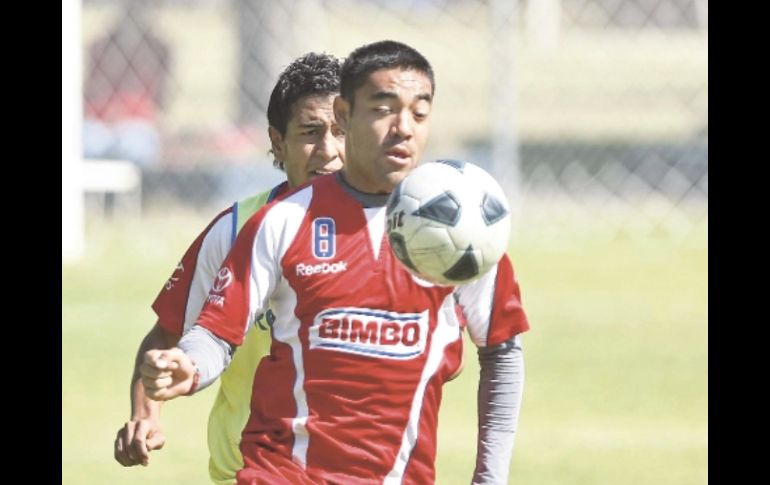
{"x":303,"y":269}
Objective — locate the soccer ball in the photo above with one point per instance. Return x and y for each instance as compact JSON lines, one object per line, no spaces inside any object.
{"x":448,"y":222}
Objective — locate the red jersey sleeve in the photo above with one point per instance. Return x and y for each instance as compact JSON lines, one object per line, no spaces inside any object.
{"x":172,"y":303}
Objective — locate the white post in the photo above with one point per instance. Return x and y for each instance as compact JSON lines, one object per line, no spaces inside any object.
{"x":72,"y":203}
{"x":543,"y":23}
{"x":504,"y":129}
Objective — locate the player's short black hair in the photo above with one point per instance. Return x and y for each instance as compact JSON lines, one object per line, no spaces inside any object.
{"x":385,"y":54}
{"x":314,"y":74}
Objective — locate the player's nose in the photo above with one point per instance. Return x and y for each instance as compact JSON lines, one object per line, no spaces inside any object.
{"x":328,"y":148}
{"x":403,"y":126}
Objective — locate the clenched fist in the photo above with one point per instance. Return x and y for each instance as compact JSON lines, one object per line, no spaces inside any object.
{"x":167,"y":374}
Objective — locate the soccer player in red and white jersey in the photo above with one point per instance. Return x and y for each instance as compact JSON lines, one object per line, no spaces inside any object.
{"x":306,"y":143}
{"x":361,"y":349}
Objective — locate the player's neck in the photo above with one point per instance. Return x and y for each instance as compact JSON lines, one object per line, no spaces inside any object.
{"x":366,"y":199}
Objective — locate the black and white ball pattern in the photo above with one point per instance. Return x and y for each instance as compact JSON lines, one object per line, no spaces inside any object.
{"x":448,"y":222}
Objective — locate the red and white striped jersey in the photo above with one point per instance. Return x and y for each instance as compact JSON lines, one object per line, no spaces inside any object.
{"x":180,"y":300}
{"x":360,"y":349}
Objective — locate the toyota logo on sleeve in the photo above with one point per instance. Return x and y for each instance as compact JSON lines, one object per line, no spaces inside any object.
{"x":223,"y":280}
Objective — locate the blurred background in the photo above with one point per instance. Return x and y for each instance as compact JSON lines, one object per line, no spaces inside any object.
{"x":593,"y":114}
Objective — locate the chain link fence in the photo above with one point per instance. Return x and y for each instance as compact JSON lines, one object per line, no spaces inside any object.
{"x":594,"y":113}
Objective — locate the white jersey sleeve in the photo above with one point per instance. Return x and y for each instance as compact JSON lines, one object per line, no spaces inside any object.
{"x":492,"y":305}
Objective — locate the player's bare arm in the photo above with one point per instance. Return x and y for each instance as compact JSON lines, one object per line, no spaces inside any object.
{"x":143,"y":433}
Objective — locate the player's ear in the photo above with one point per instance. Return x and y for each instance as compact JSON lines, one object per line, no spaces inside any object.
{"x":341,"y":112}
{"x":276,"y":141}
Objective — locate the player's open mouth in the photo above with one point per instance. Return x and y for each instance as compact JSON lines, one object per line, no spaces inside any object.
{"x":317,"y":173}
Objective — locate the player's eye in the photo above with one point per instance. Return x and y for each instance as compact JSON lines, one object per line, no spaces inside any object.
{"x":421,"y":110}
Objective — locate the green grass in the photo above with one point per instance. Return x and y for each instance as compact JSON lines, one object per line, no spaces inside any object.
{"x":616,"y":368}
{"x":616,"y":363}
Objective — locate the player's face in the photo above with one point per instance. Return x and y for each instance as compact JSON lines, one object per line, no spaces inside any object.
{"x":313,"y":145}
{"x":387,"y":129}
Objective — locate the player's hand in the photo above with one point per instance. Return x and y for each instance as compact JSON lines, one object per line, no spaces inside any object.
{"x":135,"y":441}
{"x":166,"y":374}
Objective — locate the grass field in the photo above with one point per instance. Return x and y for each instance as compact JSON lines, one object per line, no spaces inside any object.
{"x":616,"y":379}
